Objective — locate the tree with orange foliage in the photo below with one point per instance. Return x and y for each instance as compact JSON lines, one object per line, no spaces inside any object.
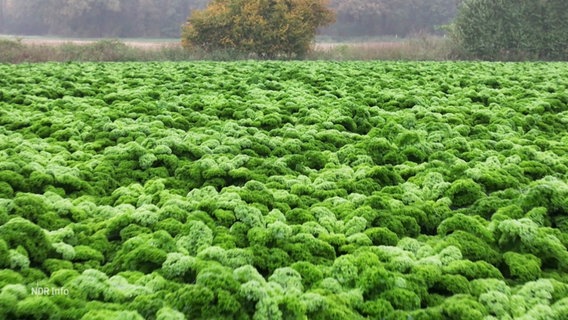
{"x":267,"y":28}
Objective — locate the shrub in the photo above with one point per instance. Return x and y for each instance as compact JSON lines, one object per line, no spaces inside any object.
{"x":108,"y":314}
{"x":463,"y":307}
{"x":265,"y":28}
{"x":28,"y":206}
{"x":21,"y":232}
{"x":310,"y":273}
{"x":464,"y":192}
{"x":4,"y":258}
{"x":473,"y":248}
{"x":37,"y":308}
{"x":192,"y":300}
{"x":524,"y":267}
{"x":382,"y":236}
{"x":452,"y":284}
{"x":375,"y":280}
{"x":402,"y":299}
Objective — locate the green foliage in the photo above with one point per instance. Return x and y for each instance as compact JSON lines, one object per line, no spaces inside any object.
{"x":198,"y":237}
{"x":375,"y":280}
{"x":37,"y":308}
{"x":6,"y":190}
{"x":513,"y":29}
{"x":169,"y":313}
{"x":144,"y":253}
{"x":147,"y":305}
{"x":452,"y":284}
{"x":378,"y":308}
{"x":524,"y":267}
{"x":401,"y":299}
{"x":192,"y":300}
{"x":310,"y":273}
{"x":109,"y":314}
{"x":4,"y":258}
{"x":8,"y":276}
{"x":474,"y":248}
{"x":28,"y":206}
{"x":463,"y":307}
{"x":382,"y":236}
{"x":247,"y":192}
{"x":465,"y":223}
{"x":21,"y":232}
{"x":526,"y":236}
{"x":464,"y":192}
{"x":178,"y":266}
{"x":473,"y":270}
{"x":345,"y":271}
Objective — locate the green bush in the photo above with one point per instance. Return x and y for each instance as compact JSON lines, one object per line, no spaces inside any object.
{"x":513,"y":29}
{"x":401,"y":299}
{"x":463,"y":307}
{"x":524,"y":267}
{"x":293,"y":235}
{"x":464,"y":192}
{"x":21,"y":232}
{"x":37,"y":308}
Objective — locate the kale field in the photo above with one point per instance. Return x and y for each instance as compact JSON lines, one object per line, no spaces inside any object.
{"x":284,"y":190}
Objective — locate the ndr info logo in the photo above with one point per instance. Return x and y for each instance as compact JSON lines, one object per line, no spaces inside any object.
{"x":49,"y":291}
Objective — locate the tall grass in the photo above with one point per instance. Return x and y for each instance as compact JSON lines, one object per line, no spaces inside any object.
{"x":418,"y":48}
{"x":15,"y":51}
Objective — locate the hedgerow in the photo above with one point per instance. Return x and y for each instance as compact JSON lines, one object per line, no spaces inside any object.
{"x":284,"y":190}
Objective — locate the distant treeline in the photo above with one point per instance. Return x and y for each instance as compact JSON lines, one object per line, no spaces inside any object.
{"x":96,"y":18}
{"x":163,"y":18}
{"x":391,"y":17}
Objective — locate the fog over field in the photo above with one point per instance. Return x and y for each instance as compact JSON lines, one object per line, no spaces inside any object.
{"x":163,"y":18}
